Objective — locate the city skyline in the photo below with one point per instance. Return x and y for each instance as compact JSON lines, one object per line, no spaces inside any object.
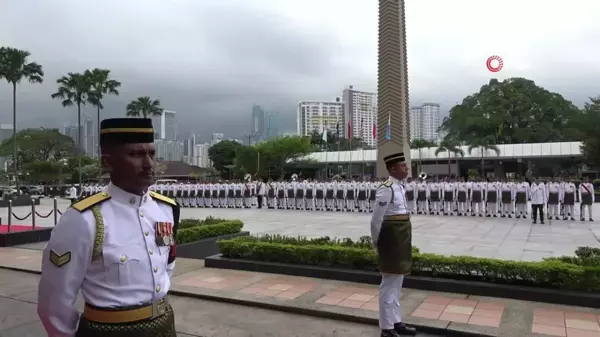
{"x":211,"y":85}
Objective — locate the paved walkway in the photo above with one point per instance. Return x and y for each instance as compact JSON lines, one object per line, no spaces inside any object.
{"x":358,"y":302}
{"x":504,"y":238}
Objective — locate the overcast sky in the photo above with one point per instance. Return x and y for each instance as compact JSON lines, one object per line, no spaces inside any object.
{"x":210,"y":60}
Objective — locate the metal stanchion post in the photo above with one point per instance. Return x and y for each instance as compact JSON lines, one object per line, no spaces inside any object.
{"x":55,"y":211}
{"x":32,"y":214}
{"x":9,"y":214}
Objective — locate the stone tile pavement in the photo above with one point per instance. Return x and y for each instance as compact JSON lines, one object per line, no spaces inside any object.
{"x":359,"y":302}
{"x":504,"y":238}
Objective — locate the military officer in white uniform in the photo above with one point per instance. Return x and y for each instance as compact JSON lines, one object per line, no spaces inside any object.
{"x":117,"y":247}
{"x":391,"y":234}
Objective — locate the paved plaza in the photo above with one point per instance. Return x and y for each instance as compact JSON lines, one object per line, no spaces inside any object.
{"x":198,"y":294}
{"x":504,"y":238}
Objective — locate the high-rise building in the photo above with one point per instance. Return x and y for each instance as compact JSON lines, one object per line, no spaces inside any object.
{"x":165,"y":125}
{"x":188,"y":149}
{"x":216,"y":138}
{"x":425,"y":121}
{"x":360,"y":114}
{"x":392,"y":84}
{"x":169,"y":150}
{"x":200,"y":155}
{"x":319,"y":116}
{"x":87,"y":142}
{"x":259,"y":118}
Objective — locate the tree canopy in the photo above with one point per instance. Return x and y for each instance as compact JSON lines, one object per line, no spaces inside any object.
{"x":589,"y":127}
{"x":38,"y":145}
{"x":515,"y":110}
{"x":144,"y":107}
{"x":266,"y":159}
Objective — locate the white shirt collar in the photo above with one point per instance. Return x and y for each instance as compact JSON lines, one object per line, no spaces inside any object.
{"x":124,"y":197}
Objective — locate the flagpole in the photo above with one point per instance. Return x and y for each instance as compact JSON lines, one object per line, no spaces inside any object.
{"x":338,"y":145}
{"x":350,"y":148}
{"x":325,"y":139}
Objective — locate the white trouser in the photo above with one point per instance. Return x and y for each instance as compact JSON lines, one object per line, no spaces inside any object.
{"x":436,"y":206}
{"x":247,"y":202}
{"x":351,"y":205}
{"x":363,"y":205}
{"x":569,"y":211}
{"x":389,"y":300}
{"x":310,"y":204}
{"x":412,"y":205}
{"x":521,"y":209}
{"x":223,"y":202}
{"x":589,"y":208}
{"x":372,"y":205}
{"x":462,"y":207}
{"x":320,"y":204}
{"x":422,"y":206}
{"x":553,"y":210}
{"x":340,"y":203}
{"x":491,"y":208}
{"x":507,"y":208}
{"x":478,"y":208}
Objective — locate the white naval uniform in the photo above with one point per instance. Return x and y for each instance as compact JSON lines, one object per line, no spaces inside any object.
{"x":422,"y":206}
{"x":553,"y":188}
{"x":569,"y":210}
{"x":391,"y":284}
{"x":585,"y":189}
{"x":448,"y":187}
{"x":132,"y":269}
{"x":436,"y":206}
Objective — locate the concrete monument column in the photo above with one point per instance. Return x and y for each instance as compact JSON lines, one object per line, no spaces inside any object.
{"x":392,"y":85}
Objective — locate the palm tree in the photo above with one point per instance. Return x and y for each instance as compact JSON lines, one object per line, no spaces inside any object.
{"x":484,"y":144}
{"x":144,"y":107}
{"x":421,"y":144}
{"x":451,"y":147}
{"x":75,"y":88}
{"x":14,"y":67}
{"x":101,"y":85}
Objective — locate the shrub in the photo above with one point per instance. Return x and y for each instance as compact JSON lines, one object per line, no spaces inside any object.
{"x":187,"y":223}
{"x":324,"y":252}
{"x":195,"y":233}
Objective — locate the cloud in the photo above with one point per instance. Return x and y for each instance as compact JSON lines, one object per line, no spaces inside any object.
{"x":211,"y":60}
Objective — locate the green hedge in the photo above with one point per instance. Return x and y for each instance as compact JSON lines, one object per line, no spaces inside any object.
{"x":204,"y":231}
{"x":572,"y":273}
{"x":187,"y":223}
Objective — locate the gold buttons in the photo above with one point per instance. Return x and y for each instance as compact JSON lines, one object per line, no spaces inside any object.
{"x":146,"y":233}
{"x":142,"y":214}
{"x":150,"y":251}
{"x":157,"y":289}
{"x":104,"y":194}
{"x":123,"y":258}
{"x":132,"y":200}
{"x":155,"y":269}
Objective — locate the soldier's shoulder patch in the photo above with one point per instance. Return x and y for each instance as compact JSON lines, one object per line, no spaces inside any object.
{"x":60,"y":260}
{"x":388,"y":183}
{"x":162,"y":198}
{"x":91,"y":201}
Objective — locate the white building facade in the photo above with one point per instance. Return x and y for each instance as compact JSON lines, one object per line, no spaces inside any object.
{"x":360,"y":115}
{"x":169,"y":150}
{"x":319,"y":116}
{"x":425,"y":122}
{"x":200,"y":156}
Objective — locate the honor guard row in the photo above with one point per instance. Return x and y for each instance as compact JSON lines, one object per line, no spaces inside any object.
{"x":499,"y":198}
{"x":116,"y":247}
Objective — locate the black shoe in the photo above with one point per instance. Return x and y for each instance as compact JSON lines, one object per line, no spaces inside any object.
{"x":510,"y":216}
{"x":542,"y":222}
{"x":524,"y":216}
{"x":534,"y":222}
{"x":591,"y":220}
{"x":404,"y":330}
{"x":518,"y":217}
{"x":582,"y":219}
{"x":503,"y":216}
{"x":389,"y":333}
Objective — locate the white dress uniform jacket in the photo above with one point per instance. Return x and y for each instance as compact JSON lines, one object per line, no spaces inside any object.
{"x":131,"y":269}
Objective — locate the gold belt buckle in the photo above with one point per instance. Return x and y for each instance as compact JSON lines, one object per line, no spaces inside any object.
{"x":159,"y":307}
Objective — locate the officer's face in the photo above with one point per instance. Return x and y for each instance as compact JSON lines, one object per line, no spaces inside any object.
{"x":399,"y":171}
{"x":133,"y":164}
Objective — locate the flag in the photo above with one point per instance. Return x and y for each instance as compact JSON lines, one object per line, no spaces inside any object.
{"x":324,"y":135}
{"x":349,"y":129}
{"x":374,"y":131}
{"x":388,"y":128}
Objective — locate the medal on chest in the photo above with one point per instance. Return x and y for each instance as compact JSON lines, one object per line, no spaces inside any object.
{"x":164,"y":233}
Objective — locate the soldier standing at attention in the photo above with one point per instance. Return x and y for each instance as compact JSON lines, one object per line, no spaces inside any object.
{"x":391,"y":234}
{"x":116,"y":246}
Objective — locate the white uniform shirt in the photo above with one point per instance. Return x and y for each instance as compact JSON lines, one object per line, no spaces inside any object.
{"x":386,"y":205}
{"x":73,"y":192}
{"x":538,"y":194}
{"x":132,"y":270}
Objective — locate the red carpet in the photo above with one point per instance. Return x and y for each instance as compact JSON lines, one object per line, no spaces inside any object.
{"x":15,"y":228}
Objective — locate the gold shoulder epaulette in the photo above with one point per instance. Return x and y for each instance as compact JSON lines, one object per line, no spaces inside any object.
{"x":91,"y":201}
{"x":388,"y":183}
{"x":162,"y":198}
